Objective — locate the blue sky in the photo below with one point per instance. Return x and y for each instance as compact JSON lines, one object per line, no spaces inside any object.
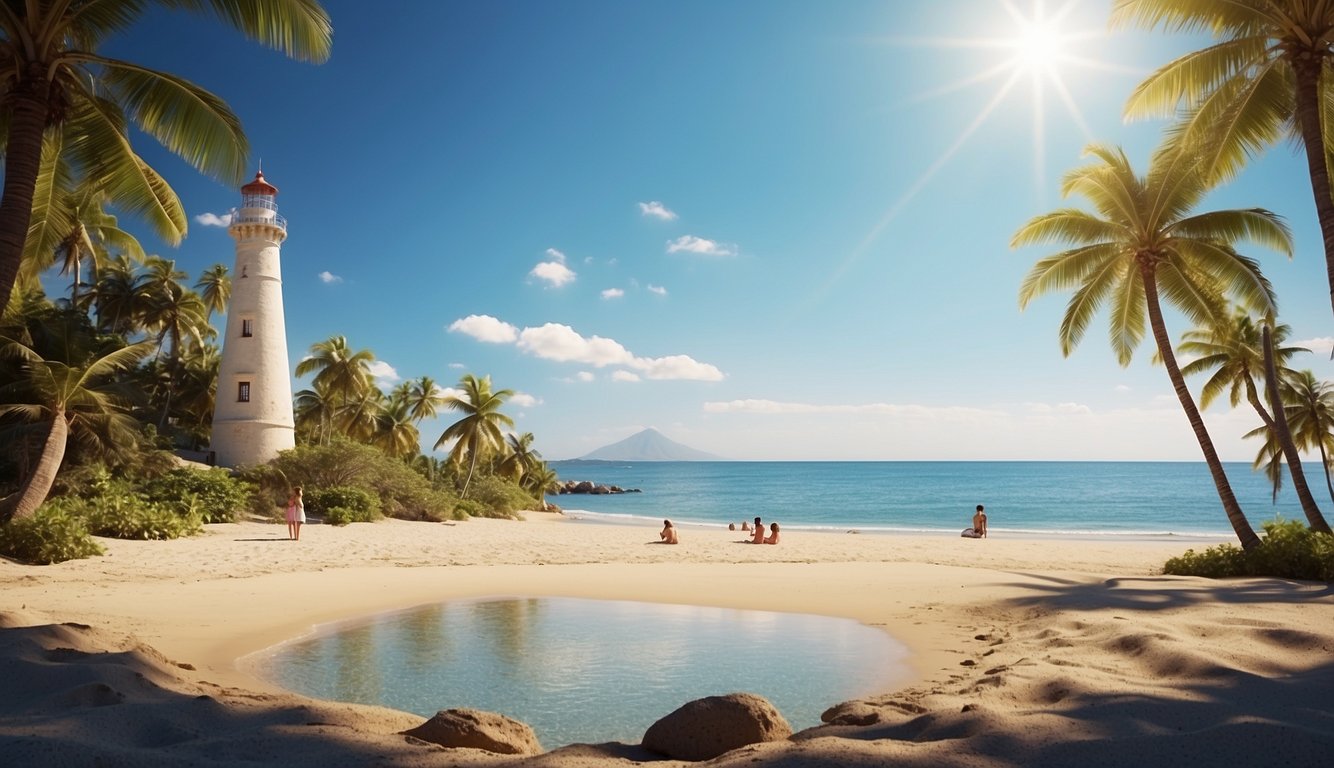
{"x":773,"y":229}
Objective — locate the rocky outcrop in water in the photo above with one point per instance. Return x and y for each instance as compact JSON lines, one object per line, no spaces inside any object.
{"x":596,"y":489}
{"x":474,"y":729}
{"x":706,"y":728}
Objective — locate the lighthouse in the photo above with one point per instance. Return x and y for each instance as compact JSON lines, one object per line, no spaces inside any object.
{"x":252,"y":410}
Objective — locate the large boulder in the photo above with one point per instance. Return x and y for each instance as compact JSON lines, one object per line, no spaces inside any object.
{"x":478,"y":730}
{"x":706,"y":728}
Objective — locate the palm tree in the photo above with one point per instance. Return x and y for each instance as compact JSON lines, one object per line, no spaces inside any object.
{"x":118,"y":297}
{"x":215,"y":289}
{"x":540,"y":480}
{"x":75,"y":387}
{"x":1141,"y":245}
{"x":521,"y":458}
{"x":343,"y":375}
{"x":1311,"y":415}
{"x":314,"y":412}
{"x":1267,"y":78}
{"x":1236,"y":352}
{"x":395,"y":433}
{"x":55,"y":79}
{"x":479,"y":430}
{"x":424,"y":398}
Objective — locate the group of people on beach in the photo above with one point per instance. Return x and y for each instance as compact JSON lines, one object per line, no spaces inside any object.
{"x":668,"y":533}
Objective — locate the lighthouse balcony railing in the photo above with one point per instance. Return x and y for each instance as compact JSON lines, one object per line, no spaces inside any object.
{"x":272,"y":219}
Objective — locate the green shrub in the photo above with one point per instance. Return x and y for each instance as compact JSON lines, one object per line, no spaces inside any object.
{"x":340,"y":516}
{"x":218,"y":497}
{"x":1288,"y":550}
{"x":132,"y":517}
{"x":356,"y":504}
{"x":499,"y":497}
{"x":465,"y":508}
{"x":52,"y":535}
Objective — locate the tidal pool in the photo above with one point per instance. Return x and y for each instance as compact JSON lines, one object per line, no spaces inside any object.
{"x":587,"y":671}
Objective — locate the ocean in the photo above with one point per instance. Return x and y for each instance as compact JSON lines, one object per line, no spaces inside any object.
{"x":1140,"y":499}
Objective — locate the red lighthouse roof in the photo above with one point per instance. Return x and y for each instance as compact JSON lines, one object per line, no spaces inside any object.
{"x":259,"y":186}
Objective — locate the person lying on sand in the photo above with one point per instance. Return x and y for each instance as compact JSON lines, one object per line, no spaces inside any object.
{"x":772,"y":538}
{"x":668,"y":534}
{"x":758,"y":537}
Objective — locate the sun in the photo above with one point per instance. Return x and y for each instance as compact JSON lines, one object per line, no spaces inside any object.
{"x":1040,"y":47}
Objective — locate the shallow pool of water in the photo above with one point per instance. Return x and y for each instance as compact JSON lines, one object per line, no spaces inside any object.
{"x":587,"y":671}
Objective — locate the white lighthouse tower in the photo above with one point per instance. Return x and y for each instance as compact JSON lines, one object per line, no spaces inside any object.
{"x":252,"y":411}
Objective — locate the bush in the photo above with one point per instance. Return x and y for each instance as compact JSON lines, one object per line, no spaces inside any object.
{"x":1288,"y":550}
{"x":133,"y":517}
{"x":52,"y":535}
{"x":352,"y":505}
{"x":498,"y":497}
{"x":402,"y":492}
{"x":218,"y":497}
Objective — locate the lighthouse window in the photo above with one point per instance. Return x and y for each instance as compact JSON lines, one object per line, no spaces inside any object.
{"x":247,"y":327}
{"x":243,"y":392}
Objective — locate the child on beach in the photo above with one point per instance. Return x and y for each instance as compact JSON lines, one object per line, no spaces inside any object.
{"x":668,"y":534}
{"x":758,"y":537}
{"x":773,"y":534}
{"x":296,"y":514}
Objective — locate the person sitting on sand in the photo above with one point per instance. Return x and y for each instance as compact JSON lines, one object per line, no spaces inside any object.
{"x":758,"y":537}
{"x":668,"y":534}
{"x":745,"y":526}
{"x":979,"y":529}
{"x":772,"y":538}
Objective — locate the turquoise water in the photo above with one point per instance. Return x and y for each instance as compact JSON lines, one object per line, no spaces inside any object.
{"x":1044,"y":498}
{"x":588,"y":671}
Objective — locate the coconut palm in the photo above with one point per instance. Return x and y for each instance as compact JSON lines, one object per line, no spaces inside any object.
{"x":1267,"y":78}
{"x":1236,"y":352}
{"x":395,"y":432}
{"x":215,"y":289}
{"x":342,"y":374}
{"x":314,"y":412}
{"x":56,"y":83}
{"x":118,"y":297}
{"x":520,"y":458}
{"x":1141,"y":247}
{"x":1311,"y":416}
{"x":479,"y":430}
{"x":540,"y":480}
{"x":75,"y":387}
{"x":424,"y":398}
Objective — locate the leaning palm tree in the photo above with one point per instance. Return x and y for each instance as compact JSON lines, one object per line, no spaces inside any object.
{"x":77,"y":387}
{"x":520,"y":459}
{"x":1141,"y":245}
{"x":424,"y":398}
{"x":395,"y":433}
{"x":1311,"y":416}
{"x":343,"y":374}
{"x":479,"y":430}
{"x":1267,"y":78}
{"x":1236,"y":352}
{"x":541,"y":480}
{"x":56,"y":80}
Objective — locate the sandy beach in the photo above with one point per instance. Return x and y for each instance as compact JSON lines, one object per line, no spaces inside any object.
{"x":1023,"y":651}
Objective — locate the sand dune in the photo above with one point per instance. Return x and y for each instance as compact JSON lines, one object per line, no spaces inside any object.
{"x":1025,"y":652}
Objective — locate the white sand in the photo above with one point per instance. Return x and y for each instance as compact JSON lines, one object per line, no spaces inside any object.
{"x":1063,"y":651}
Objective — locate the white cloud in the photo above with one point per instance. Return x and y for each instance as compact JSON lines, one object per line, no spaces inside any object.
{"x":776,"y":406}
{"x":562,"y":343}
{"x":457,"y":366}
{"x":692,"y":244}
{"x":329,"y":278}
{"x":214,"y":220}
{"x":623,"y":376}
{"x":553,"y":272}
{"x":485,"y":328}
{"x":383,"y":372}
{"x":524,"y":400}
{"x":555,"y":255}
{"x":1322,"y":345}
{"x":613,"y":293}
{"x":657,"y":210}
{"x":658,"y":289}
{"x":584,"y":376}
{"x":1122,"y":387}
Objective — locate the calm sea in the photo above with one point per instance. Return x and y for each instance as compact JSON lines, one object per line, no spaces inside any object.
{"x":1021,"y":497}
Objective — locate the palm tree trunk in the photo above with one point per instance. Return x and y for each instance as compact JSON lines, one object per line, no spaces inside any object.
{"x":472,"y":464}
{"x":1235,"y":516}
{"x":1294,"y":459}
{"x":1306,"y":67}
{"x":44,"y":474}
{"x":1324,"y":461}
{"x":23,"y":158}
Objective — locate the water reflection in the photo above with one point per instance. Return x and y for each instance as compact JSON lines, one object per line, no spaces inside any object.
{"x":589,"y":670}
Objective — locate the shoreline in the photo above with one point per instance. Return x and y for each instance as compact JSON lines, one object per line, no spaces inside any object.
{"x":1091,"y":623}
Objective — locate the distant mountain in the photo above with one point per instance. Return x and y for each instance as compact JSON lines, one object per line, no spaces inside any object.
{"x":649,"y":445}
